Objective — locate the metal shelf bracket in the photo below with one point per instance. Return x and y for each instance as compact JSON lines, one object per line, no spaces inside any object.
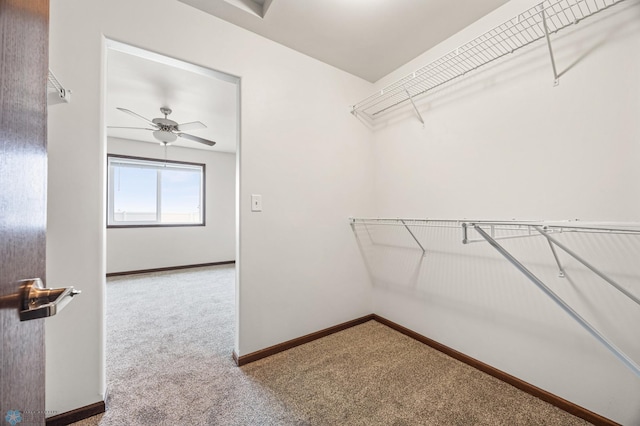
{"x":415,"y":108}
{"x":554,"y":241}
{"x":424,"y":252}
{"x":556,"y":77}
{"x":54,"y":84}
{"x":561,"y":273}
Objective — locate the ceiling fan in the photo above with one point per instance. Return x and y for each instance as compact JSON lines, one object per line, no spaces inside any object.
{"x":167,"y":131}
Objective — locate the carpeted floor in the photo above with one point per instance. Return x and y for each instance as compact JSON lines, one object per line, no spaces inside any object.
{"x":169,"y":363}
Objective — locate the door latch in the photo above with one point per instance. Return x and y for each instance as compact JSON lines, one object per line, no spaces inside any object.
{"x":41,"y":302}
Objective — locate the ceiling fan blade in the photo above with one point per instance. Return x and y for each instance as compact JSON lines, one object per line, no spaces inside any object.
{"x":196,"y":139}
{"x":131,"y":128}
{"x":194,"y":125}
{"x":139,"y":116}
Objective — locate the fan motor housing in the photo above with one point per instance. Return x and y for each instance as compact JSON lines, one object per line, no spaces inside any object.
{"x":165,"y":122}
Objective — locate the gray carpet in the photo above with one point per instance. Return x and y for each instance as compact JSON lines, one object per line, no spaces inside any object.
{"x":169,"y":363}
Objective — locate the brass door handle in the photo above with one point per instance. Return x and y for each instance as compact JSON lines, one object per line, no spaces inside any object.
{"x":41,"y":302}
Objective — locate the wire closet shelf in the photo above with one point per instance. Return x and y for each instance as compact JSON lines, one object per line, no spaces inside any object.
{"x":55,"y":85}
{"x":492,"y":231}
{"x":534,"y":24}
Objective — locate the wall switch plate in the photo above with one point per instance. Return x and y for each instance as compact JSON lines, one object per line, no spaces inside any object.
{"x":256,"y":203}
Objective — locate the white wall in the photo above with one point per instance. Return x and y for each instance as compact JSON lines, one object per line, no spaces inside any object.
{"x":133,"y":249}
{"x":503,"y":143}
{"x":299,"y":267}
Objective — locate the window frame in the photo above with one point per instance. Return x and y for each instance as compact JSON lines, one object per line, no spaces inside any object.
{"x":155,"y":224}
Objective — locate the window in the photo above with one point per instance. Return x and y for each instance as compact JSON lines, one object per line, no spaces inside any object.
{"x":147,"y":192}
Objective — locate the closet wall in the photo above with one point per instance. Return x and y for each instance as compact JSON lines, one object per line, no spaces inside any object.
{"x":503,"y":143}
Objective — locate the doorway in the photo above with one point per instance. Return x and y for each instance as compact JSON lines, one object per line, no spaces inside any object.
{"x":143,"y":88}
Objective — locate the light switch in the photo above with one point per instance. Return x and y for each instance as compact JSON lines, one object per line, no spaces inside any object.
{"x":256,"y":203}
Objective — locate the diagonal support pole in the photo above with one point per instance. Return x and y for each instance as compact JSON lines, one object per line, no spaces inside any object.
{"x":562,"y":304}
{"x":588,"y":265}
{"x":555,"y":256}
{"x":556,"y":77}
{"x":414,"y":237}
{"x":414,"y":106}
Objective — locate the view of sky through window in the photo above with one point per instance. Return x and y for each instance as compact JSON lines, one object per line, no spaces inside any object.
{"x":147,"y":192}
{"x":135,"y":190}
{"x":180,"y":191}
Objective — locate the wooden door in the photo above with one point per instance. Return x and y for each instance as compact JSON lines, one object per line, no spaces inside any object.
{"x":24,"y":34}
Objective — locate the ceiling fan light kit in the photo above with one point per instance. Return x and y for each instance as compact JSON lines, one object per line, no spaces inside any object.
{"x":167,"y":131}
{"x":164,"y":136}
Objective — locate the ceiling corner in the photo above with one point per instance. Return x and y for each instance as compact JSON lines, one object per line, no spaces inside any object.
{"x":266,"y":6}
{"x":254,"y":7}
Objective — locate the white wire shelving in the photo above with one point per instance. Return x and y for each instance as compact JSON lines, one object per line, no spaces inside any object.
{"x":54,"y":85}
{"x":532,"y":25}
{"x":491,"y":232}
